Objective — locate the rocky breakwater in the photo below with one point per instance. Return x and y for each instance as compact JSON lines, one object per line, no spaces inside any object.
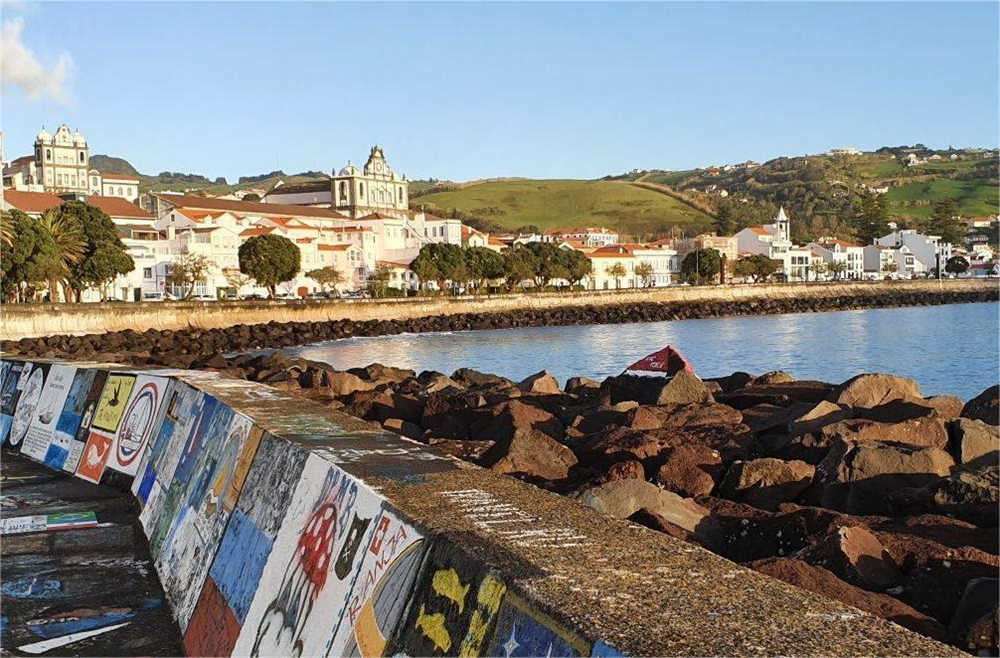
{"x":186,"y":346}
{"x":865,"y":491}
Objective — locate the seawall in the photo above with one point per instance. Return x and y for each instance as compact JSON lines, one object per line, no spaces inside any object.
{"x":279,"y":527}
{"x":21,"y":321}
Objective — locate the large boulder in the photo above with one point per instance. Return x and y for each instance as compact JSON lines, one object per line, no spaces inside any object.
{"x":767,"y":482}
{"x":873,"y":390}
{"x":732,"y":382}
{"x":686,"y":469}
{"x":682,"y":388}
{"x":403,"y":428}
{"x":968,"y":495}
{"x":380,"y":374}
{"x":380,"y":404}
{"x":682,"y":415}
{"x":474,"y":378}
{"x":541,"y":382}
{"x":625,"y":443}
{"x":985,"y":406}
{"x":447,"y":413}
{"x":582,"y":386}
{"x":623,"y":498}
{"x":499,"y":423}
{"x":974,"y":443}
{"x":856,"y":476}
{"x":823,"y":582}
{"x":773,"y":377}
{"x":625,"y":470}
{"x":531,"y":453}
{"x":854,"y":554}
{"x":344,"y":383}
{"x":974,"y":626}
{"x":947,"y":406}
{"x":824,"y":413}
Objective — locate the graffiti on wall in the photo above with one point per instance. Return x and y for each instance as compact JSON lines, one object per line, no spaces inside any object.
{"x":453,"y":609}
{"x":66,"y":447}
{"x":139,"y":417}
{"x":523,"y":631}
{"x":307,"y":579}
{"x":21,"y":403}
{"x":42,"y":424}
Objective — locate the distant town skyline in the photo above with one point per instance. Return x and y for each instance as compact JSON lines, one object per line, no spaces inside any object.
{"x":464,"y":91}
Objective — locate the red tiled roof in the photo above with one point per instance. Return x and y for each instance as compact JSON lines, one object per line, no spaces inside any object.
{"x":31,"y":201}
{"x":390,"y":263}
{"x":23,"y":159}
{"x":612,"y":251}
{"x":196,"y":215}
{"x":253,"y":232}
{"x":304,"y":240}
{"x":334,"y":247}
{"x":116,"y":207}
{"x":263,"y":209}
{"x":107,"y":176}
{"x":759,"y":230}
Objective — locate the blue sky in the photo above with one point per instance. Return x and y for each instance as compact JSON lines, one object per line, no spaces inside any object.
{"x":469,"y":90}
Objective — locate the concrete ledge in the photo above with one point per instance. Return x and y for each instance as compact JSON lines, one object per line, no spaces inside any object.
{"x":280,"y":527}
{"x":23,"y":321}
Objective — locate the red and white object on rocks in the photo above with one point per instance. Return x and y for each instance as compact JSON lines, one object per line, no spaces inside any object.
{"x":663,"y":363}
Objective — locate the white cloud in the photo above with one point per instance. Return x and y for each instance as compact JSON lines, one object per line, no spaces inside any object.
{"x":21,"y":68}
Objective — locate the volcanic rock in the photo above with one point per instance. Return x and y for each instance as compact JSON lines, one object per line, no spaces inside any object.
{"x":974,"y":444}
{"x":974,"y":626}
{"x":499,"y":423}
{"x":532,"y":453}
{"x":581,"y":385}
{"x":404,"y":428}
{"x":773,"y":377}
{"x":344,"y":383}
{"x":625,"y":470}
{"x":873,"y":390}
{"x":682,"y":388}
{"x":947,"y":406}
{"x":854,"y":554}
{"x":686,"y":469}
{"x":623,"y":498}
{"x":540,"y":382}
{"x":766,"y":483}
{"x":985,"y":406}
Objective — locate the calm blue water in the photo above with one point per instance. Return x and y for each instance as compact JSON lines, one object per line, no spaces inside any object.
{"x":948,"y":349}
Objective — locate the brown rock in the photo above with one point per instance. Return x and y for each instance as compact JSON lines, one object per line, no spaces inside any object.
{"x":625,"y":443}
{"x":773,"y":377}
{"x":972,"y":496}
{"x":732,"y":382}
{"x":974,"y":444}
{"x":499,"y":423}
{"x":344,"y":383}
{"x":532,"y":453}
{"x":623,"y":498}
{"x":824,"y":413}
{"x":403,"y":427}
{"x":854,"y":554}
{"x":873,"y":390}
{"x":857,"y":476}
{"x":947,"y":406}
{"x":985,"y":406}
{"x":974,"y":627}
{"x":685,"y":470}
{"x":682,"y":388}
{"x":821,"y":581}
{"x":448,"y":414}
{"x":683,"y":415}
{"x":896,"y":411}
{"x":766,"y":483}
{"x":625,"y":470}
{"x":540,"y":382}
{"x":581,"y":385}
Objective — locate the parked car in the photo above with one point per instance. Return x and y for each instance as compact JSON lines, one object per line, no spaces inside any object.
{"x":154,"y":297}
{"x":254,"y":295}
{"x":204,"y":298}
{"x":286,"y":295}
{"x":318,"y":295}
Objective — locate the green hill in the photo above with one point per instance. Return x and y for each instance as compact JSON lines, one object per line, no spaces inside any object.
{"x":513,"y":203}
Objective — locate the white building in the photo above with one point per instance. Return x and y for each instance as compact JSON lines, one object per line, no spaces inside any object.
{"x":773,"y":240}
{"x":376,"y":188}
{"x":604,"y":260}
{"x":850,"y":256}
{"x":590,"y":236}
{"x":62,"y":161}
{"x":662,"y":259}
{"x":926,"y":249}
{"x":894,"y":262}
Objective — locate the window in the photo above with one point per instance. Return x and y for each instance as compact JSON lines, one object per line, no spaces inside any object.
{"x":400,"y":193}
{"x":48,"y":154}
{"x":120,"y":193}
{"x":343,"y":191}
{"x":147,"y":272}
{"x":81,"y":156}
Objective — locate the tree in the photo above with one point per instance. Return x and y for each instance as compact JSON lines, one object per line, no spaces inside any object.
{"x":328,"y":276}
{"x":378,"y":282}
{"x":440,"y":262}
{"x":518,"y":266}
{"x":818,"y":268}
{"x":252,"y":197}
{"x":756,"y":266}
{"x":104,"y":256}
{"x":270,"y":259}
{"x":187,"y":271}
{"x":578,"y":266}
{"x":616,"y":271}
{"x":956,"y":265}
{"x":62,"y":248}
{"x":644,"y":272}
{"x":724,"y":221}
{"x":944,"y":221}
{"x":836,"y":268}
{"x":483,"y":264}
{"x":17,"y":260}
{"x":236,"y":279}
{"x":701,"y":266}
{"x":871,"y":217}
{"x":550,"y":262}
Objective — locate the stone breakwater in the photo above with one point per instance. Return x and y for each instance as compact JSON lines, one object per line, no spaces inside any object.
{"x":194,"y":347}
{"x":865,"y":491}
{"x":281,"y":526}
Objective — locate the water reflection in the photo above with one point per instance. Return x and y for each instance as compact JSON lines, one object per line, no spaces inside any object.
{"x":948,"y":349}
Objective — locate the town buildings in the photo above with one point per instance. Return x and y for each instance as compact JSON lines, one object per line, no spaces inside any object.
{"x":773,"y":240}
{"x":843,"y":260}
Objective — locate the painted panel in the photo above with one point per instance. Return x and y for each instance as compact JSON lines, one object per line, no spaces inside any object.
{"x":453,"y":609}
{"x":304,"y":586}
{"x":66,"y":448}
{"x":523,"y":631}
{"x":138,"y":422}
{"x":213,"y":629}
{"x":24,"y":402}
{"x":42,"y":425}
{"x":9,"y":393}
{"x":389,"y":569}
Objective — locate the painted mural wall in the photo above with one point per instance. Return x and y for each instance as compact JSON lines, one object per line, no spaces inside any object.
{"x":264,"y":543}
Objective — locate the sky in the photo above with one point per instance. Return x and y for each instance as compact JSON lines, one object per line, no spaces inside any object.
{"x":462,"y":91}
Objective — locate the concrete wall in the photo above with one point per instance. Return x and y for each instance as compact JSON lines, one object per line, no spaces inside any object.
{"x":24,"y":321}
{"x":279,"y":527}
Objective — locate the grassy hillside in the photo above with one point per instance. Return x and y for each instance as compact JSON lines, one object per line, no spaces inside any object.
{"x":553,"y":203}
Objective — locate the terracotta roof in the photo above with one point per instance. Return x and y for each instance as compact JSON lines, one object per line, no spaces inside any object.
{"x":612,"y":251}
{"x":107,"y":176}
{"x":379,"y":215}
{"x":22,"y":160}
{"x":834,"y":241}
{"x":116,"y":207}
{"x":496,"y":241}
{"x":289,"y":222}
{"x":31,"y":201}
{"x":253,"y":232}
{"x":304,"y":240}
{"x":262,"y":209}
{"x":390,"y":263}
{"x":195,"y":215}
{"x":334,"y":247}
{"x":759,"y":230}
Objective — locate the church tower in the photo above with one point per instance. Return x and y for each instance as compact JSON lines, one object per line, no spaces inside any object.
{"x":375,"y":189}
{"x":781,"y":223}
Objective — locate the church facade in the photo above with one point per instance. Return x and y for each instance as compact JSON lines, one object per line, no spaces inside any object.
{"x":376,"y":188}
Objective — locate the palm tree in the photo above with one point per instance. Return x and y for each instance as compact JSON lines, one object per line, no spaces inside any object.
{"x":6,"y":229}
{"x":818,"y":267}
{"x":65,"y":249}
{"x":836,"y":268}
{"x":644,"y":271}
{"x":617,"y":271}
